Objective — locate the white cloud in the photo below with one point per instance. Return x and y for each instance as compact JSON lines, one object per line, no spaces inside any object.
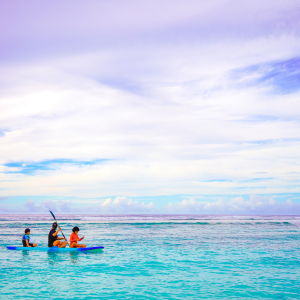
{"x":46,"y":205}
{"x":118,"y":205}
{"x":168,"y":113}
{"x":125,"y":205}
{"x":242,"y":170}
{"x":255,"y":205}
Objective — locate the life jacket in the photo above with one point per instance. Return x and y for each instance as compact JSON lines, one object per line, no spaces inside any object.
{"x":24,"y":240}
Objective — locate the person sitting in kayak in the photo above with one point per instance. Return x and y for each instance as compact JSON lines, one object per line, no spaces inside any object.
{"x":26,"y":239}
{"x":74,"y":239}
{"x":54,"y":240}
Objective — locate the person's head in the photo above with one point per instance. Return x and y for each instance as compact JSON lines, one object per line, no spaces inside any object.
{"x":75,"y":229}
{"x":27,"y":231}
{"x":54,"y":225}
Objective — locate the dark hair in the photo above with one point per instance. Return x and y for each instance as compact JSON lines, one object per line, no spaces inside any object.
{"x":27,"y":230}
{"x":54,"y":225}
{"x":75,"y":229}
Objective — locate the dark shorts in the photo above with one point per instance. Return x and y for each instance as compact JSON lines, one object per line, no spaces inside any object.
{"x":25,"y":245}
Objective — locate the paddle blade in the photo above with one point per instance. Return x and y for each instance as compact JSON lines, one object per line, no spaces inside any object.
{"x":52,"y":214}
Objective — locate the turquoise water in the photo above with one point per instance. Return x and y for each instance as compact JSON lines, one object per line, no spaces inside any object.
{"x":155,"y":257}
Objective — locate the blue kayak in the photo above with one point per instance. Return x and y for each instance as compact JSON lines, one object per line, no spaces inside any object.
{"x":54,"y":249}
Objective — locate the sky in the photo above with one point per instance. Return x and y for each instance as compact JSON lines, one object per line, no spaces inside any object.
{"x":150,"y":106}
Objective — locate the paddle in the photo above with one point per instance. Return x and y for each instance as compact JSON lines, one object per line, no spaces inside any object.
{"x":58,"y":226}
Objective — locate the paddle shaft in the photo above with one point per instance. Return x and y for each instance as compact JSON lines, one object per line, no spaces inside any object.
{"x":59,"y":226}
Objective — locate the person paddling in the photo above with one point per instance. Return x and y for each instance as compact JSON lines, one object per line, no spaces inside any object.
{"x":26,"y":239}
{"x":54,"y":240}
{"x":74,"y":239}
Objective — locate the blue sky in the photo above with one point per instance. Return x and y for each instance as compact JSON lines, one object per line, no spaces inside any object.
{"x":153,"y":107}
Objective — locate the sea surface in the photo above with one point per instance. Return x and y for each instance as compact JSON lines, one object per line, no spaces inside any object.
{"x":155,"y":257}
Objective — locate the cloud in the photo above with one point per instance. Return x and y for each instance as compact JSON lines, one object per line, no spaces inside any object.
{"x":147,"y":22}
{"x":255,"y":205}
{"x":31,"y":206}
{"x":177,"y":99}
{"x":4,"y":209}
{"x":118,"y":205}
{"x":46,"y":205}
{"x":125,"y":205}
{"x":258,"y":168}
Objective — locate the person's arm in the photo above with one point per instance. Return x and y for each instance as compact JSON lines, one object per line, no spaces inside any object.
{"x":80,"y":239}
{"x":74,"y":239}
{"x":27,"y":243}
{"x":56,"y":232}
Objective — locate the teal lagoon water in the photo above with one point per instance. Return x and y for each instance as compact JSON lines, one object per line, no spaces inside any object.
{"x":155,"y":257}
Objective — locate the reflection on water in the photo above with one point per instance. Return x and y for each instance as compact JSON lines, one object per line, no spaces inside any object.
{"x":74,"y":257}
{"x":52,"y":258}
{"x":65,"y":258}
{"x":25,"y":255}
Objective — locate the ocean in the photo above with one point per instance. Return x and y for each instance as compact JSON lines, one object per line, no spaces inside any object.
{"x":155,"y":257}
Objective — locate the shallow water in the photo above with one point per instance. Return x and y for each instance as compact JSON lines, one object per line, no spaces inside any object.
{"x":155,"y":257}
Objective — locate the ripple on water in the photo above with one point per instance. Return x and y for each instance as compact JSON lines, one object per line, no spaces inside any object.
{"x":154,"y":259}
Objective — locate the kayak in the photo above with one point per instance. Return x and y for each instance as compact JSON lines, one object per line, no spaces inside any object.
{"x":54,"y":249}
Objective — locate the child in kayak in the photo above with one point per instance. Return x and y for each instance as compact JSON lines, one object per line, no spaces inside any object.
{"x":54,"y":240}
{"x":74,"y":239}
{"x":26,"y":239}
